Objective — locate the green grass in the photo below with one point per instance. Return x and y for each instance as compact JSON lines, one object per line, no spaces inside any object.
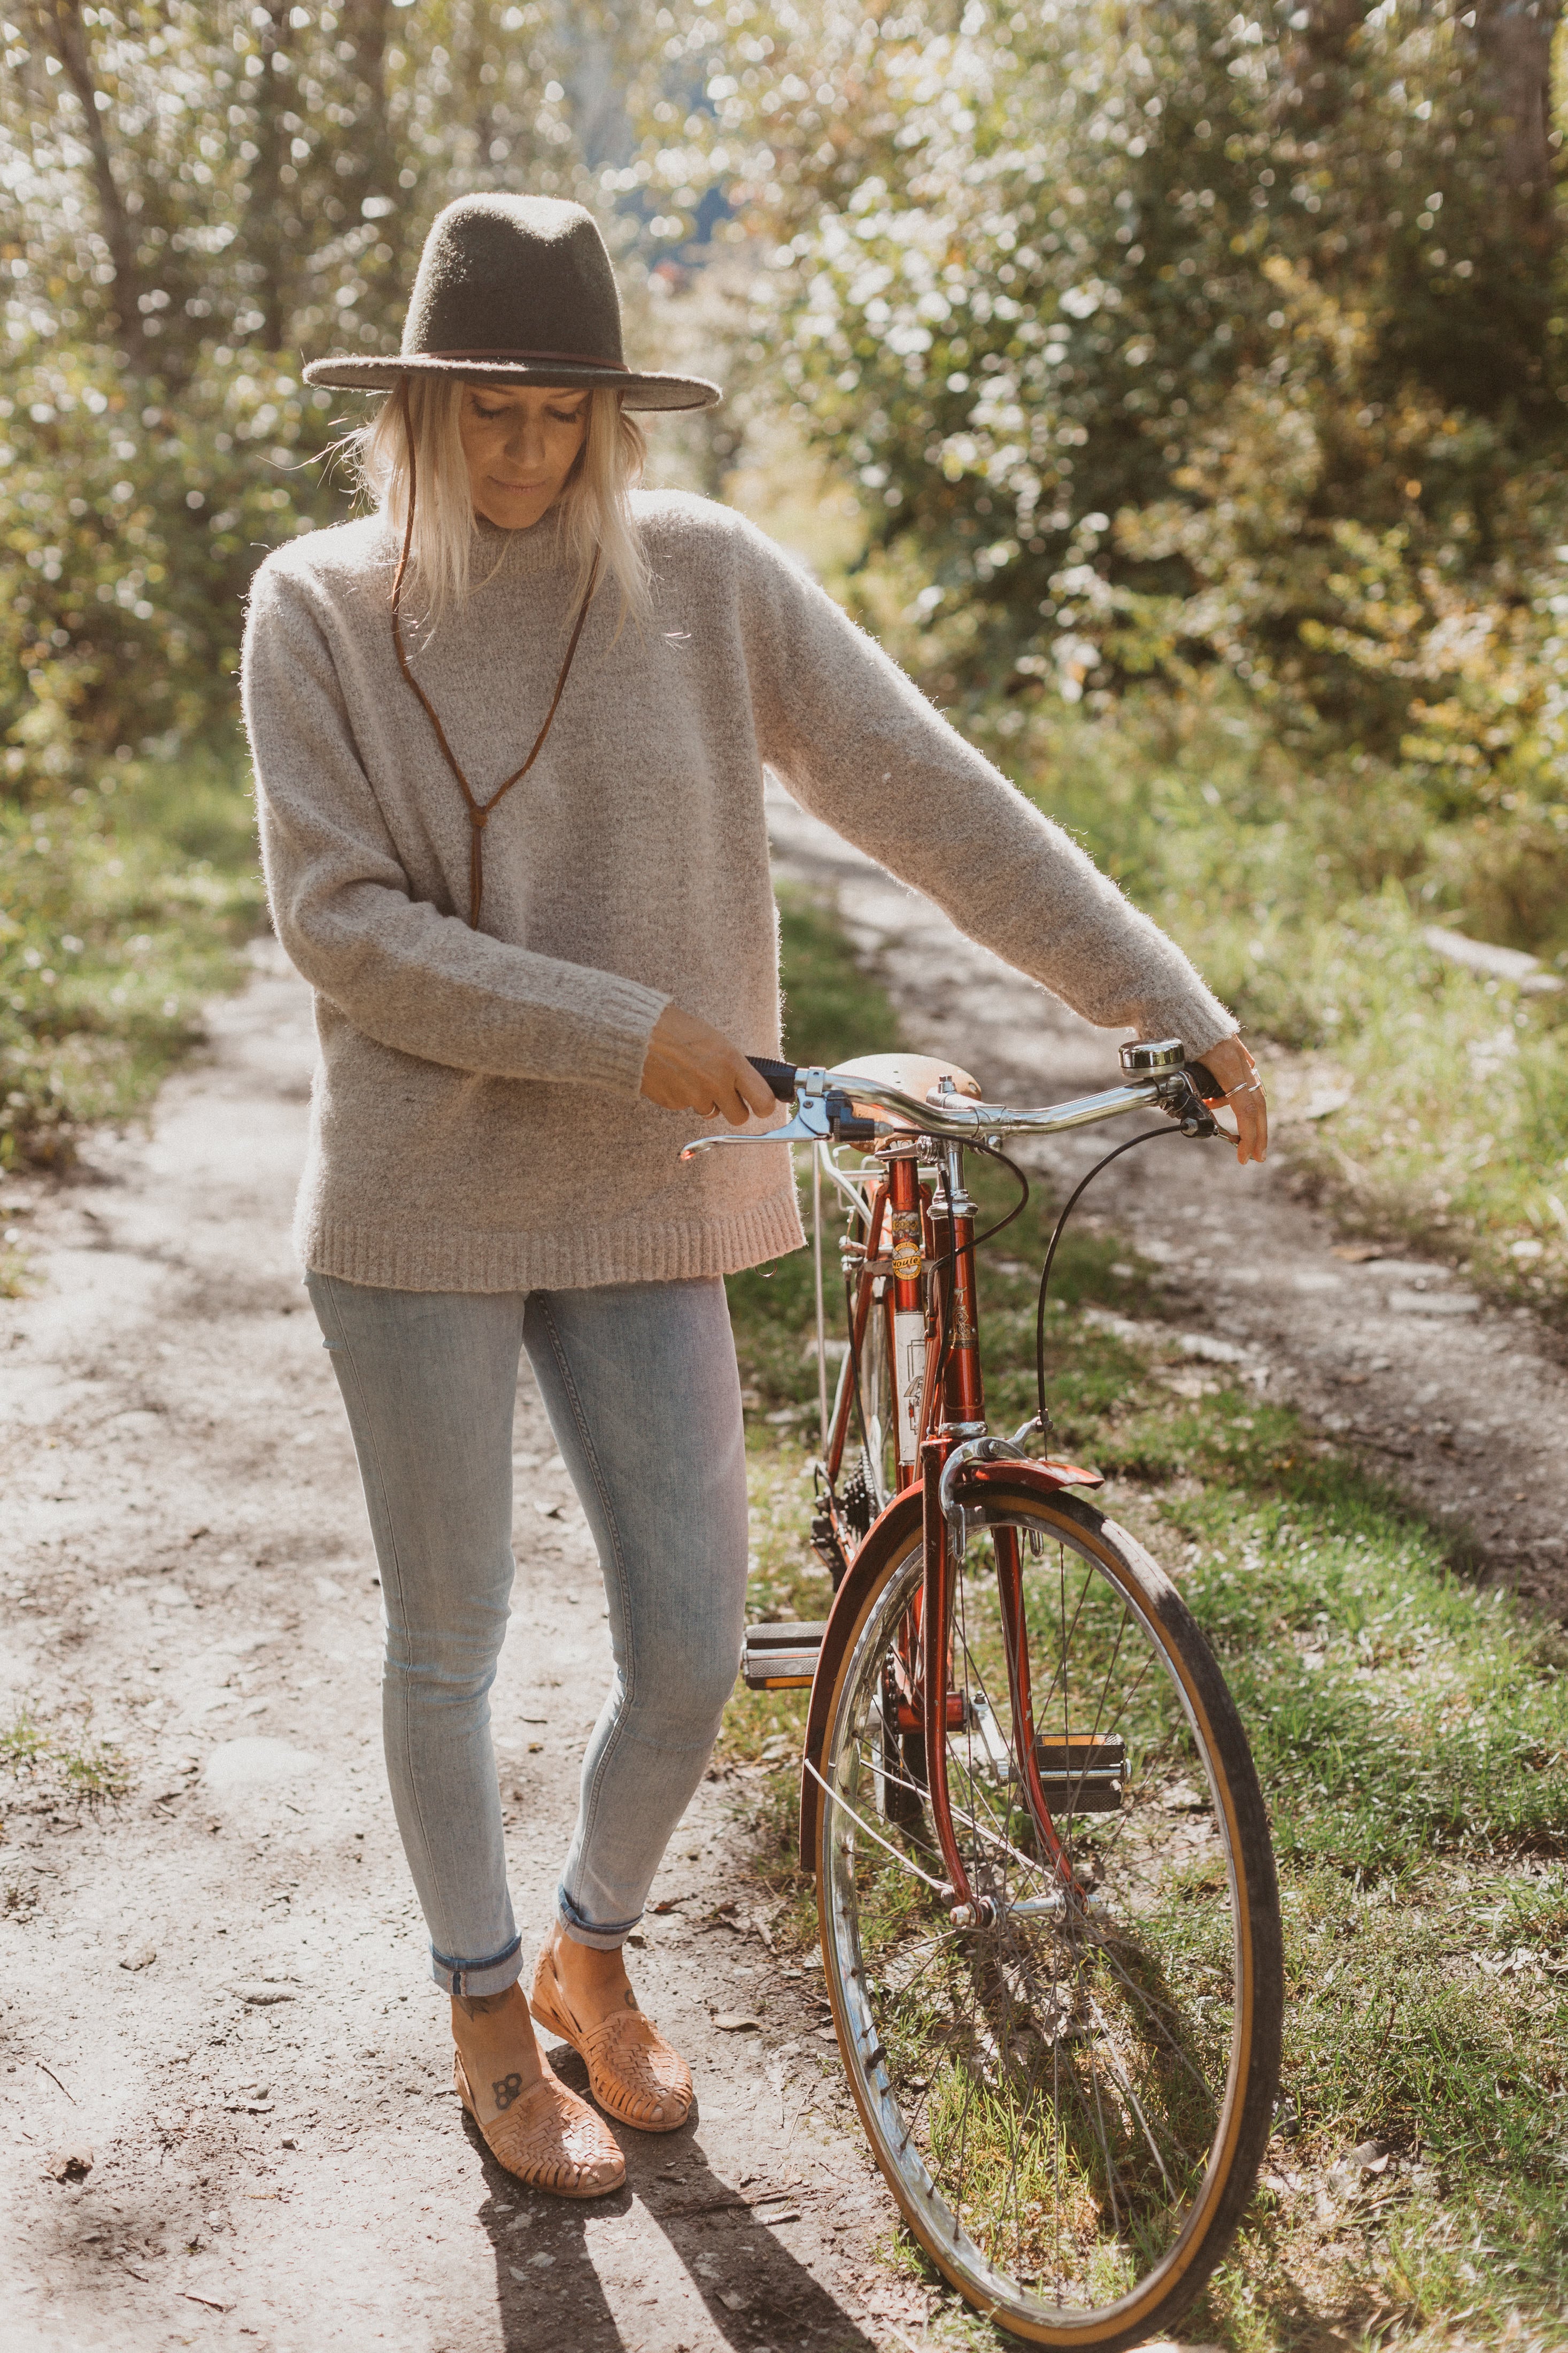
{"x":1303,"y":897}
{"x":1411,"y":1732}
{"x":122,"y":906}
{"x":87,"y":1769}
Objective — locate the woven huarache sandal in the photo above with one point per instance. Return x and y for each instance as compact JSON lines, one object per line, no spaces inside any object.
{"x":633,"y":2071}
{"x":549,"y":2139}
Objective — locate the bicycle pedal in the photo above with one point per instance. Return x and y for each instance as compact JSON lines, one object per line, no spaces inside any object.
{"x":781,"y":1656}
{"x":1082,"y":1774}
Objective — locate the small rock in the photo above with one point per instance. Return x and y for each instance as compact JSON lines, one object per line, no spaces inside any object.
{"x":735,"y":2021}
{"x":289,"y":2141}
{"x":1212,"y":1351}
{"x":540,"y":2263}
{"x":254,"y":1763}
{"x":142,"y":1957}
{"x":258,"y":1992}
{"x":70,"y":2164}
{"x":1184,"y":1800}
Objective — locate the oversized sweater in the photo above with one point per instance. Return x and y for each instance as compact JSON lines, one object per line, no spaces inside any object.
{"x":475,"y":1119}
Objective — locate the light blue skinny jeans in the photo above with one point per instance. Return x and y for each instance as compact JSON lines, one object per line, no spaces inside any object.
{"x":640,"y":1385}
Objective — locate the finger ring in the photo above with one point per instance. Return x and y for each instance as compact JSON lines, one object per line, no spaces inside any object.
{"x":1255,"y":1088}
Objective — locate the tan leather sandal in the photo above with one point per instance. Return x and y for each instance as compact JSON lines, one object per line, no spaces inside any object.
{"x":549,"y":2139}
{"x":632,"y":2071}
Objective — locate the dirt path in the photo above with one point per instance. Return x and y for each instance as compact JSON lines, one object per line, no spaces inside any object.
{"x":218,"y":1986}
{"x":1462,"y":1405}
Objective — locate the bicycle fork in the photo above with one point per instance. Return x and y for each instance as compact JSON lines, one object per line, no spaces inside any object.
{"x":937,"y":1696}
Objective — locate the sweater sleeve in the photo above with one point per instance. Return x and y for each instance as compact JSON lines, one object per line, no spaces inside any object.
{"x":860,"y":747}
{"x":401,"y":971}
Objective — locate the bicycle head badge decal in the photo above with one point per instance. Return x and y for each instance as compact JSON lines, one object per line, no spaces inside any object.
{"x":906,"y":1226}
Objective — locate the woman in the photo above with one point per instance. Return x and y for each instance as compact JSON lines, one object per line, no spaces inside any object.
{"x":531,"y":975}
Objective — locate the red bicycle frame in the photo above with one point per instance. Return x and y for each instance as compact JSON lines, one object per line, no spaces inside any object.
{"x":916,"y":1281}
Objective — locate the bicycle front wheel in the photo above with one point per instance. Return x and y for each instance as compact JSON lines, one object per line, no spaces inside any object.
{"x":1071,"y":2099}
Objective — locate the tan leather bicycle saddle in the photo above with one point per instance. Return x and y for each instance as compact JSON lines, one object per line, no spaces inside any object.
{"x":911,"y":1074}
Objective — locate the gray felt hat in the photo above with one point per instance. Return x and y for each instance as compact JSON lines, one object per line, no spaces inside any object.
{"x":518,"y":289}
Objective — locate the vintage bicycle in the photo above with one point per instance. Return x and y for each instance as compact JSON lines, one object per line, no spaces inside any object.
{"x":1049,"y":1917}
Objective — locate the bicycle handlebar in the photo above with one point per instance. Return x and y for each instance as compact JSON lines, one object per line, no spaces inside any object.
{"x":826,"y":1104}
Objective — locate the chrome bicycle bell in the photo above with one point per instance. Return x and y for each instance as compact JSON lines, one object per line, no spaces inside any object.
{"x":1147,"y":1057}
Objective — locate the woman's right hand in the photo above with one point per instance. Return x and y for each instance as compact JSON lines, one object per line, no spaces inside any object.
{"x":691,"y":1066}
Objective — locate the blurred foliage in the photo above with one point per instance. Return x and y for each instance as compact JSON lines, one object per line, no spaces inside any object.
{"x":193,"y":196}
{"x":1168,"y":342}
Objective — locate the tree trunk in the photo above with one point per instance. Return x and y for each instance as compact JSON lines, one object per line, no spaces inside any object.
{"x":60,"y":27}
{"x":1513,"y":51}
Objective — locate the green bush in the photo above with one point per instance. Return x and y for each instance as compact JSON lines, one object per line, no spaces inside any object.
{"x":133,"y":522}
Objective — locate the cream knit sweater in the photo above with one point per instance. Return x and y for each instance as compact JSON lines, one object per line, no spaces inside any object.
{"x":476,"y":1124}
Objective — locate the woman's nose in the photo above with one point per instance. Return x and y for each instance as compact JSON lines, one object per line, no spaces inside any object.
{"x":525,"y":441}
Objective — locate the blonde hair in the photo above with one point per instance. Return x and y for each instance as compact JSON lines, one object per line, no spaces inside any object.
{"x":592,"y":513}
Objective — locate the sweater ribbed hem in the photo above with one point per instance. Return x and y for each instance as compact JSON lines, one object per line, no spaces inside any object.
{"x":400,"y":1259}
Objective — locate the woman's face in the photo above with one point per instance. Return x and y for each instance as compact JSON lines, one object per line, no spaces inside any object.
{"x":520,"y":441}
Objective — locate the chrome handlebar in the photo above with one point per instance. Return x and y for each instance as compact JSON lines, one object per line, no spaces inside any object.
{"x":824,"y":1105}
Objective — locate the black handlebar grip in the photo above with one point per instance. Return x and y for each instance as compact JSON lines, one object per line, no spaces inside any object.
{"x":779,"y":1076}
{"x":1204,"y":1083}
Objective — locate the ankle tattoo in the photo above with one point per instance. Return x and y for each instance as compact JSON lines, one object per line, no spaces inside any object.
{"x":506,"y":2091}
{"x":482,"y":2005}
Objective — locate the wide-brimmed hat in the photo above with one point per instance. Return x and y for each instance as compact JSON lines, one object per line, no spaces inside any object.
{"x":518,"y":289}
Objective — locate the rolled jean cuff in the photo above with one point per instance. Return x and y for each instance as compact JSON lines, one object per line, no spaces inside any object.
{"x":608,"y":1938}
{"x":494,"y":1976}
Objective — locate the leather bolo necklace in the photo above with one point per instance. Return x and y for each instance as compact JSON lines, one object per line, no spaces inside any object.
{"x":478,"y":811}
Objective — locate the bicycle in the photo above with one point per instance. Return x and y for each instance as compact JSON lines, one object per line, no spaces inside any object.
{"x":1054,"y":1963}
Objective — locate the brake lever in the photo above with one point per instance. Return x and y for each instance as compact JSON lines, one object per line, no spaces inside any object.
{"x":822,"y":1112}
{"x":809,"y":1125}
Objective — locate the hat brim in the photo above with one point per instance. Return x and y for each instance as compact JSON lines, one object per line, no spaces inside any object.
{"x":345,"y":371}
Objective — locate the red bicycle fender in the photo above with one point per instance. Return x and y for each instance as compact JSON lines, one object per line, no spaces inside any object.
{"x":889,"y":1532}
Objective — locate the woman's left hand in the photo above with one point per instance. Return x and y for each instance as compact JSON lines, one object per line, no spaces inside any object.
{"x":1236,"y":1071}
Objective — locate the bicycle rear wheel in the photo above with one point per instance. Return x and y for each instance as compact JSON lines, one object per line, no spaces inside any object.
{"x":1069,"y":2102}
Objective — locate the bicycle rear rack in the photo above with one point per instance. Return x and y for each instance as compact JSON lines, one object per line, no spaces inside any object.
{"x":782,"y":1656}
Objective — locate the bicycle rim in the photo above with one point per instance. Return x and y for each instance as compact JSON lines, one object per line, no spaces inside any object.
{"x":1070,"y":2104}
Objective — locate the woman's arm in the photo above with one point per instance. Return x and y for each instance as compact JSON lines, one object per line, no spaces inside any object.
{"x":403,"y":973}
{"x":860,"y":746}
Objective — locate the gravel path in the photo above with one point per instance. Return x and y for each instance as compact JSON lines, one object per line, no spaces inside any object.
{"x":1463,"y":1404}
{"x":218,"y":1986}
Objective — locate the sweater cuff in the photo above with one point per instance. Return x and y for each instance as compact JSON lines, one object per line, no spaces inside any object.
{"x":615,"y":1050}
{"x":1199,"y":1020}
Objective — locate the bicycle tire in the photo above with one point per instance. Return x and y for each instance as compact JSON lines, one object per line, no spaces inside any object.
{"x":1104,"y":2252}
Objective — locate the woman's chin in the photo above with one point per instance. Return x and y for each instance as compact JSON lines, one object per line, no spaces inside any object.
{"x":515,"y":514}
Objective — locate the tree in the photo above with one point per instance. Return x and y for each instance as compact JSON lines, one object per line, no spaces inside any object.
{"x":192,"y":194}
{"x":1140,"y":327}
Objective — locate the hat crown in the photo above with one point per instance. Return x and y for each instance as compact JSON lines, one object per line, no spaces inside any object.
{"x":523,"y":275}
